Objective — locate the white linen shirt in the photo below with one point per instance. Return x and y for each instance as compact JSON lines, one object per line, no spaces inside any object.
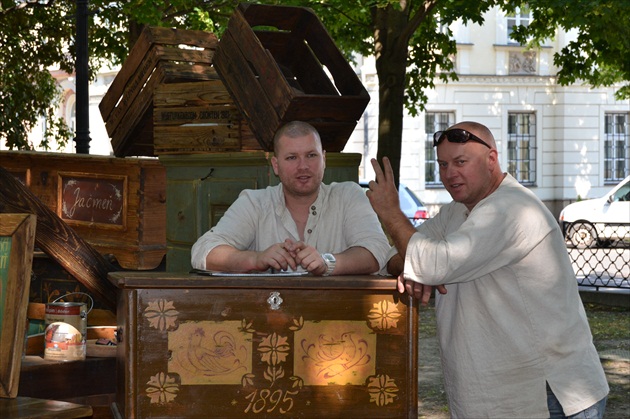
{"x":512,"y":318}
{"x":341,"y":217}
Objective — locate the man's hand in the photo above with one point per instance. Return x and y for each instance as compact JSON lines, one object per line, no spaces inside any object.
{"x":383,"y":194}
{"x":417,"y":290}
{"x":383,"y":197}
{"x":278,"y":256}
{"x":307,"y":257}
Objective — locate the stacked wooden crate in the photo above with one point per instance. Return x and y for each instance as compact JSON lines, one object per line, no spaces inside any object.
{"x":280,"y":64}
{"x":168,"y":98}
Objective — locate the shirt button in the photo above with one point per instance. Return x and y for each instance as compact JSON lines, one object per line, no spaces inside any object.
{"x":313,"y":208}
{"x":314,"y":212}
{"x":309,"y":231}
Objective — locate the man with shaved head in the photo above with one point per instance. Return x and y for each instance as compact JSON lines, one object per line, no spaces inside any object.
{"x":513,"y":333}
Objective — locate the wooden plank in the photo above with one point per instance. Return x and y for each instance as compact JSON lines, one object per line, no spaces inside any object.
{"x":329,"y":55}
{"x":282,"y":17}
{"x":132,"y":64}
{"x":342,"y":108}
{"x":67,"y":380}
{"x":209,"y":114}
{"x":165,"y":72}
{"x":186,"y":139}
{"x":273,"y":83}
{"x":191,"y":94}
{"x":148,"y":37}
{"x":293,"y":53}
{"x":59,"y":241}
{"x":143,"y":81}
{"x":242,"y":84}
{"x":17,"y":236}
{"x":31,"y":408}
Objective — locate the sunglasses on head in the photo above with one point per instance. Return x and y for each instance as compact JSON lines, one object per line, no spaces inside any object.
{"x":456,"y":135}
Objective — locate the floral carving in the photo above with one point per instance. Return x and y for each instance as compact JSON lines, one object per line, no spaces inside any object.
{"x":297,"y":324}
{"x":382,"y":389}
{"x":384,"y":315}
{"x":161,"y":314}
{"x":162,"y":388}
{"x":274,"y":349}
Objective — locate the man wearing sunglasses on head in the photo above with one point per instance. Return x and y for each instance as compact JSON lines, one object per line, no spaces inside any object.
{"x":513,"y":334}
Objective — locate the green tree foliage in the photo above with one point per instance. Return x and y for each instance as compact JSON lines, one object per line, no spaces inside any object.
{"x":411,"y":41}
{"x":29,"y":47}
{"x":39,"y":36}
{"x":598,"y":55}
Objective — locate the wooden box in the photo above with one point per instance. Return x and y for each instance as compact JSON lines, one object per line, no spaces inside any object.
{"x":160,"y":56}
{"x":264,"y":347}
{"x":280,"y":75}
{"x":117,"y":205}
{"x":198,"y":117}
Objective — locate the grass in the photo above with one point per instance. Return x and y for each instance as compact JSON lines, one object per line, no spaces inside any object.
{"x":610,"y":326}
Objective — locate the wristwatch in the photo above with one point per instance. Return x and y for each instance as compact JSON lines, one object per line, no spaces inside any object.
{"x":330,"y":261}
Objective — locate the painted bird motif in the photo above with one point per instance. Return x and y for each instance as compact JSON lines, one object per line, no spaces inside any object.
{"x":210,"y":357}
{"x":336,"y":355}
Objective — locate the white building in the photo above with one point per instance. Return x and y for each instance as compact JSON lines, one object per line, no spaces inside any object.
{"x":565,"y":143}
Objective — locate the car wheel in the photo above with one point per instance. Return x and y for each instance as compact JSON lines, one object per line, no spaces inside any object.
{"x":582,"y":235}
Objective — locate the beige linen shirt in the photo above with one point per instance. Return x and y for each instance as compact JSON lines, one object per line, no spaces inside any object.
{"x":341,"y":217}
{"x":512,"y":318}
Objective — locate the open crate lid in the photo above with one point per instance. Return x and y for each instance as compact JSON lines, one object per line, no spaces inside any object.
{"x":280,"y":64}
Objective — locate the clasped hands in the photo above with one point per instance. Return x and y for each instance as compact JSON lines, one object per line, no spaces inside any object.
{"x":291,"y":255}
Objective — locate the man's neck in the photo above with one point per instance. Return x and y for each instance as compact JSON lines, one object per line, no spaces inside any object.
{"x":299,"y":208}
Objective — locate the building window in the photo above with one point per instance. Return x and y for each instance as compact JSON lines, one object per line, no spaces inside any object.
{"x":616,"y":147}
{"x":434,"y":121}
{"x":520,"y":16}
{"x":522,"y":147}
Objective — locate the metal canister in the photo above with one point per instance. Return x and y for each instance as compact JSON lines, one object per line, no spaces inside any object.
{"x":66,"y":331}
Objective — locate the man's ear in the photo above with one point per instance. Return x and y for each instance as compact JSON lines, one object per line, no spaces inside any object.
{"x":274,"y":164}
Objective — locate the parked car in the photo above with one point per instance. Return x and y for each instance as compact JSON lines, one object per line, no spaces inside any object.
{"x":598,"y":221}
{"x":410,"y":204}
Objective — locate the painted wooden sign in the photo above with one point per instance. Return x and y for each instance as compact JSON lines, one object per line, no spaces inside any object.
{"x":92,"y":199}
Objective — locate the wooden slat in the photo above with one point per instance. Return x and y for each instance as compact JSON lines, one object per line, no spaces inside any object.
{"x":273,"y":83}
{"x":241,"y":83}
{"x":191,"y":94}
{"x":209,"y":114}
{"x":31,"y":408}
{"x":187,"y":139}
{"x":294,"y":53}
{"x":148,"y":37}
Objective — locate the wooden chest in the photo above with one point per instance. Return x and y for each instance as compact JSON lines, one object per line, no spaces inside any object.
{"x":280,"y":64}
{"x":265,"y":347}
{"x":117,"y":205}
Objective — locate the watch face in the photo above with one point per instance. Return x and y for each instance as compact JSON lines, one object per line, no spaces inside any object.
{"x":328,"y":257}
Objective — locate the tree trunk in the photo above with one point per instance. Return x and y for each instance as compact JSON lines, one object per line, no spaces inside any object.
{"x":391,"y":43}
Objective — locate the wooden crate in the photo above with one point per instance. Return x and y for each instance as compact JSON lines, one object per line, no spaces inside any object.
{"x":160,"y":56}
{"x":277,"y":76}
{"x":198,"y":118}
{"x":265,"y":347}
{"x":116,"y":205}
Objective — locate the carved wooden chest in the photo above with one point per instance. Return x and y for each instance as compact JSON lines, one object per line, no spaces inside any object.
{"x":264,"y":347}
{"x":117,"y":205}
